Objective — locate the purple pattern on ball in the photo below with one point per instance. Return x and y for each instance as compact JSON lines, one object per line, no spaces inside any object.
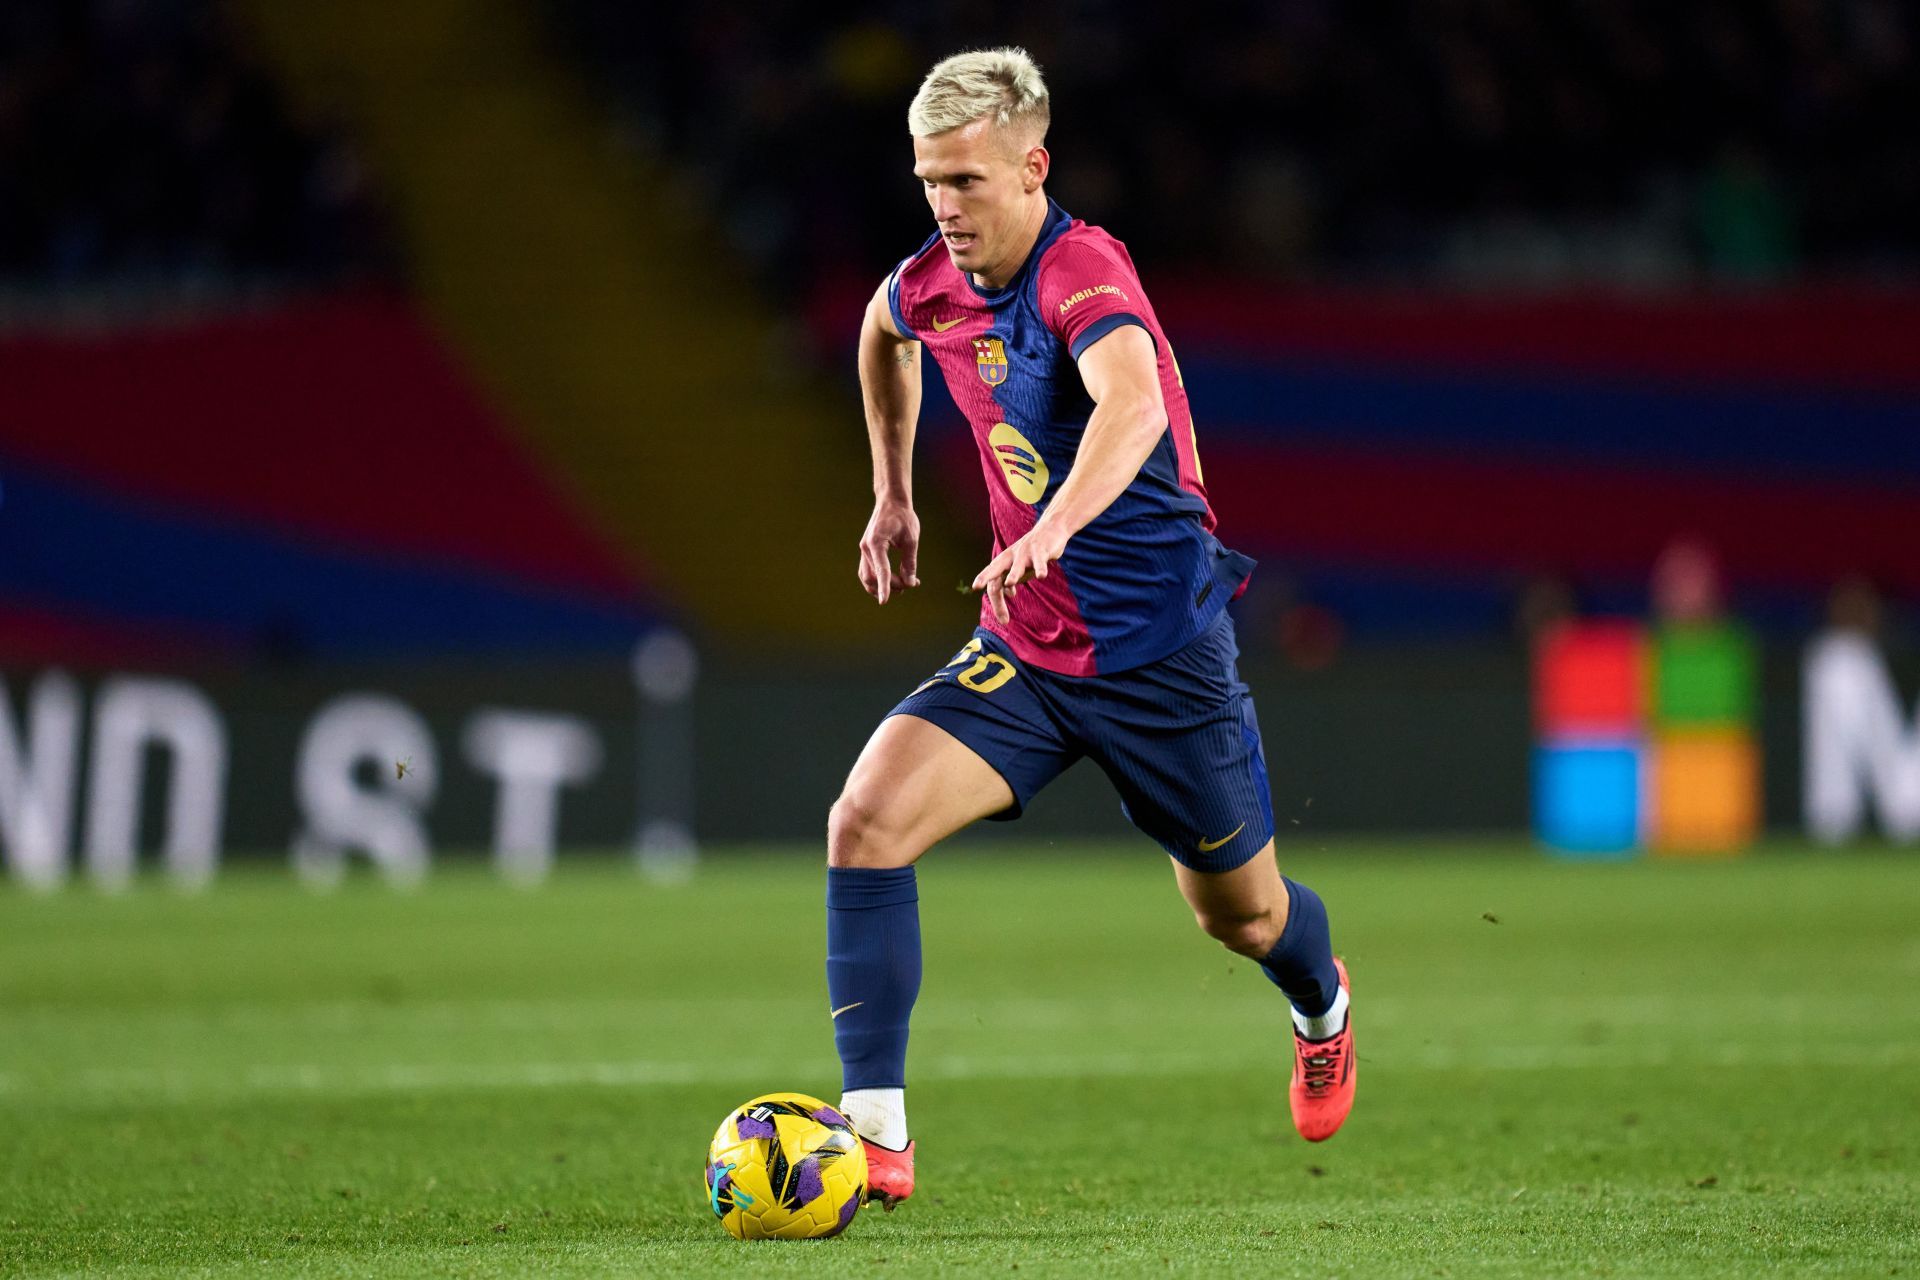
{"x":847,"y":1210}
{"x":827,"y":1115}
{"x":807,"y":1185}
{"x":751,"y":1128}
{"x":710,"y":1169}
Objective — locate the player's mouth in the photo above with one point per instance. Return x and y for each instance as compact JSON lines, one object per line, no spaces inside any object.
{"x":957,"y":240}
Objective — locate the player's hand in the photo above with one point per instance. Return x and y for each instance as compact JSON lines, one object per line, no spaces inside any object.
{"x":1027,"y":558}
{"x":893,"y":528}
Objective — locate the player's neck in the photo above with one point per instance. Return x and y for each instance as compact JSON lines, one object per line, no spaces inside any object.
{"x":1009,"y":267}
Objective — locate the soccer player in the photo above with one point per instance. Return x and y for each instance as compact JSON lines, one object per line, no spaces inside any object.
{"x":1103,"y":631}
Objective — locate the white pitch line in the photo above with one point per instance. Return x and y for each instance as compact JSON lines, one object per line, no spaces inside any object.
{"x":1755,"y":1014}
{"x":182,"y":1086}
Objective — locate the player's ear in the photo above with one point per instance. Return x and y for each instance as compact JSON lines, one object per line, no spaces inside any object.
{"x":1037,"y":164}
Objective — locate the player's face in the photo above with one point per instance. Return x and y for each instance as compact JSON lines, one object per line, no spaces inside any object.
{"x":978,"y":183}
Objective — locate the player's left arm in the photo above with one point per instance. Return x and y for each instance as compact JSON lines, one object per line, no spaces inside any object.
{"x":1121,"y":373}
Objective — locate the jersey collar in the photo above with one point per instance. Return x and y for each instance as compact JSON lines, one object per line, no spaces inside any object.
{"x":1056,"y":222}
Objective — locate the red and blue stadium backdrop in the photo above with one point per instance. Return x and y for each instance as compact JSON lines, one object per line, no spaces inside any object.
{"x":1442,"y":441}
{"x":1411,"y":459}
{"x":1450,"y":446}
{"x":315,"y":479}
{"x":322,"y":478}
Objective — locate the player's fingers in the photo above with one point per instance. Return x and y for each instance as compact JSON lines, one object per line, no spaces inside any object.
{"x":997,"y":598}
{"x":997,"y":567}
{"x":875,"y":554}
{"x":910,"y":561}
{"x":1022,"y":561}
{"x":866,"y":569}
{"x":1016,"y":560}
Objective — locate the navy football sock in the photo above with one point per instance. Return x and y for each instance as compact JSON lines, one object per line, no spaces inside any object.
{"x":1301,"y":963}
{"x":873,"y":971}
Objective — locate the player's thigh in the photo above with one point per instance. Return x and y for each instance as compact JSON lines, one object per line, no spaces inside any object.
{"x":1245,"y":907}
{"x":914,"y":785}
{"x":978,"y":739}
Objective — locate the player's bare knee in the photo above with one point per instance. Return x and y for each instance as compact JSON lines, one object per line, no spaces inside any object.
{"x":1243,"y":933}
{"x":848,"y":824}
{"x":859,"y":835}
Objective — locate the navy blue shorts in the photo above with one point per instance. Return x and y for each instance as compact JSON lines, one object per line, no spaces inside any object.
{"x":1177,"y":738}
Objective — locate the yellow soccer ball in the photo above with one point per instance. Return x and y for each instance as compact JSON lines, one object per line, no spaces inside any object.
{"x":785,"y":1167}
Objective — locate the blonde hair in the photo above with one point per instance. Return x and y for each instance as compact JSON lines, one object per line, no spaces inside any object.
{"x":1003,"y":84}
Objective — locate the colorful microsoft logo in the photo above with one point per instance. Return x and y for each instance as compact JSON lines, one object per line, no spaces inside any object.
{"x":1645,"y":739}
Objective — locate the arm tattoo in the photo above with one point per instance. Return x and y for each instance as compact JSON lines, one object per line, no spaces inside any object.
{"x":905,"y":356}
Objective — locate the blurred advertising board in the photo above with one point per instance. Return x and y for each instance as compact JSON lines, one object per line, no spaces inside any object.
{"x":342,"y":766}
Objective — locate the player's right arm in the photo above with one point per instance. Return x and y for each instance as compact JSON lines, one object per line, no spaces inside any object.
{"x":890,"y":389}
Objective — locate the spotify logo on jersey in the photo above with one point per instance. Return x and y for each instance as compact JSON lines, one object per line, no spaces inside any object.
{"x":1020,"y":463}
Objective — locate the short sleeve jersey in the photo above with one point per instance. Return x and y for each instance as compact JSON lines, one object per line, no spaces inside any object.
{"x":1146,"y":575}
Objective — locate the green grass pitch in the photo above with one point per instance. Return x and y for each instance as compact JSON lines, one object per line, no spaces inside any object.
{"x":1645,"y":1069}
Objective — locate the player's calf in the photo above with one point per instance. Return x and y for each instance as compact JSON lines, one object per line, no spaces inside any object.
{"x":1301,"y":960}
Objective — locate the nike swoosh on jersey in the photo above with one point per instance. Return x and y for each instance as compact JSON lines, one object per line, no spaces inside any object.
{"x":857,"y":1003}
{"x":1208,"y":846}
{"x":940,"y":326}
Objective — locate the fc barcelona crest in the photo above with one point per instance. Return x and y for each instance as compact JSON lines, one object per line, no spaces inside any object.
{"x":990,"y":358}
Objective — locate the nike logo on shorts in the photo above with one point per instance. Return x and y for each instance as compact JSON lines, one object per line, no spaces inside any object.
{"x":1208,"y":846}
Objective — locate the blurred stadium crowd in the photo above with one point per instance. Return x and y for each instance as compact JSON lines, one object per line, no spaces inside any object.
{"x":140,"y":144}
{"x":1485,"y":142}
{"x":1470,"y":141}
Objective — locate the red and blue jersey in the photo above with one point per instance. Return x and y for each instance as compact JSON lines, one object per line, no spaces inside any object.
{"x":1147,"y":574}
